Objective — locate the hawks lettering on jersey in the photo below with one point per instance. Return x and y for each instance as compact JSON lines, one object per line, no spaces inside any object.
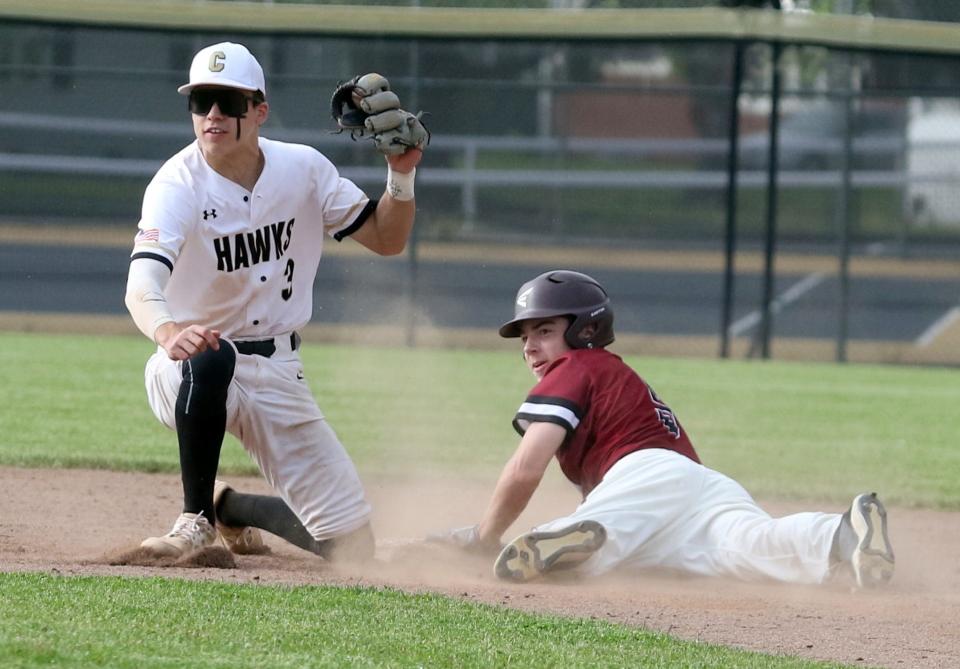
{"x":244,"y":261}
{"x":252,"y":248}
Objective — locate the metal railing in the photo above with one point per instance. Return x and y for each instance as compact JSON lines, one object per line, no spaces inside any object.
{"x":469,"y":176}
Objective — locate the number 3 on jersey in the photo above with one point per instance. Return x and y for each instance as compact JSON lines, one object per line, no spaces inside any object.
{"x":287,"y":292}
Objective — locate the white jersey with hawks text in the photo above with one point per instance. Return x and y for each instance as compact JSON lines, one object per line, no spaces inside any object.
{"x":244,"y":262}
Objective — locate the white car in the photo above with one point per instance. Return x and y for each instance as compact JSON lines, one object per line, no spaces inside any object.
{"x":933,"y":168}
{"x":812,"y":139}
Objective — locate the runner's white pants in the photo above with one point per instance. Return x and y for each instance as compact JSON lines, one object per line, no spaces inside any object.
{"x":273,"y":413}
{"x":663,"y":510}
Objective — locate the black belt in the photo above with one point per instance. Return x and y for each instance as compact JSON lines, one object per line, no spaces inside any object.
{"x":265,"y":347}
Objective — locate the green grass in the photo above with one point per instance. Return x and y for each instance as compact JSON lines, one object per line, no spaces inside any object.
{"x":80,"y":402}
{"x":147,"y":623}
{"x":818,"y":432}
{"x":822,"y":431}
{"x":801,"y":431}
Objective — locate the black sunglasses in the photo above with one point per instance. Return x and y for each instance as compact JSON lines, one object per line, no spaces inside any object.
{"x":231,"y":102}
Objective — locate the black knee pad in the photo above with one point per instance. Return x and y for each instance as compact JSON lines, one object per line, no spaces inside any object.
{"x":207,"y":376}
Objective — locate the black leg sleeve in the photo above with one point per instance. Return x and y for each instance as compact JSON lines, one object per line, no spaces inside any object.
{"x":201,"y":417}
{"x":270,"y":514}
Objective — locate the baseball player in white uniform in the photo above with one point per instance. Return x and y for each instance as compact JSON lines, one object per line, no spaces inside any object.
{"x":647,"y":499}
{"x":221,"y":278}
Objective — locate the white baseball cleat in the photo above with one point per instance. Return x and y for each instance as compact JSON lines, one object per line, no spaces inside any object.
{"x":872,"y":558}
{"x":240,"y":540}
{"x":190,"y":532}
{"x":532,"y":554}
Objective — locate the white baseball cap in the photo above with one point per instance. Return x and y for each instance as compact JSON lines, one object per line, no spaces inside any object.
{"x":225,"y":64}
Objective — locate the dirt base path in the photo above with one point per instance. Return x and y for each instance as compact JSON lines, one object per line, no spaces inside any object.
{"x":70,"y":522}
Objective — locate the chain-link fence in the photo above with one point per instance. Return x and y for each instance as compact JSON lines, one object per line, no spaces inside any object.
{"x":608,"y":155}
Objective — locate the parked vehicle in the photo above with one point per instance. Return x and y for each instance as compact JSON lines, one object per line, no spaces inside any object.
{"x":933,"y":166}
{"x":813,"y":139}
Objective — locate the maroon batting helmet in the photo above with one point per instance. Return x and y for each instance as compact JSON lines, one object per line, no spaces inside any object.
{"x":565,"y":293}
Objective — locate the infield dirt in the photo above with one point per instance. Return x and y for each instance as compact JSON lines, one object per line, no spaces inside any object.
{"x":71,"y":522}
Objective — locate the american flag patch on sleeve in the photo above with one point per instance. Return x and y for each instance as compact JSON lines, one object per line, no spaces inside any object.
{"x":150,"y":235}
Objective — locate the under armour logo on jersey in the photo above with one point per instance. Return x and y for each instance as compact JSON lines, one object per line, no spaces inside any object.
{"x":209,"y":213}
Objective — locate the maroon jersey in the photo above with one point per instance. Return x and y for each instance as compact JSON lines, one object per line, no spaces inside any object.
{"x":607,"y":410}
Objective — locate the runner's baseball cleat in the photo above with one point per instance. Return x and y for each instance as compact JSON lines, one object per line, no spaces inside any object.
{"x":190,"y":532}
{"x":532,"y":554}
{"x":872,"y":558}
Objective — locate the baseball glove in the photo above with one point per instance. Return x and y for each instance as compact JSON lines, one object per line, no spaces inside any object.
{"x":367,"y":107}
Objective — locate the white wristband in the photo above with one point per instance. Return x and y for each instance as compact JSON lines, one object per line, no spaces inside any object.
{"x":400,"y":186}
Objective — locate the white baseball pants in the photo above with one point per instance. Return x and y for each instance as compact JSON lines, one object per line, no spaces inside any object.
{"x":273,"y":413}
{"x":661,"y":509}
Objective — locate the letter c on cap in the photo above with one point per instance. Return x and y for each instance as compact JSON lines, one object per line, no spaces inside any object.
{"x":216,"y":61}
